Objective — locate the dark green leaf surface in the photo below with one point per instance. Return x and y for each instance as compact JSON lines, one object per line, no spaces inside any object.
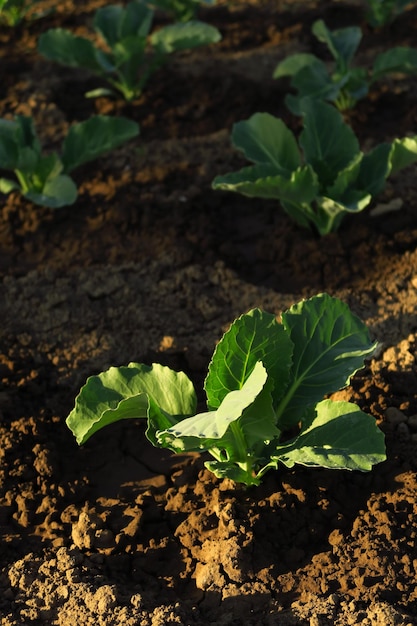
{"x":264,"y":138}
{"x":330,"y":345}
{"x":88,"y":140}
{"x":257,"y":181}
{"x":342,"y":43}
{"x":63,"y":47}
{"x":401,"y":60}
{"x":56,"y":193}
{"x":329,"y":145}
{"x":255,"y":336}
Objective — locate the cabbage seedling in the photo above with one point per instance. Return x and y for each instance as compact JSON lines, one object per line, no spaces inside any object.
{"x":181,"y":10}
{"x":265,"y":388}
{"x":323,"y":180}
{"x":12,"y":12}
{"x":345,"y":84}
{"x":43,"y":179}
{"x":381,"y":12}
{"x":126,"y":64}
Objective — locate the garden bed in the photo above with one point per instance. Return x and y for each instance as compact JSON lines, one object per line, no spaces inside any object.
{"x":151,"y":265}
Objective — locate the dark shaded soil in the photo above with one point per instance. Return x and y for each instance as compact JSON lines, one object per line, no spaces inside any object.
{"x":151,"y":265}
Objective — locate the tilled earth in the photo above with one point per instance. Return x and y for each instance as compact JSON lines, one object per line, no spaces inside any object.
{"x":151,"y":265}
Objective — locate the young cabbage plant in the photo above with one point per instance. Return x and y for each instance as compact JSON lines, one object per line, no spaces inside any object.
{"x":345,"y":84}
{"x":382,"y":12}
{"x":132,"y":54}
{"x":12,"y":12}
{"x":324,"y":179}
{"x":265,"y":389}
{"x":181,"y":10}
{"x":44,"y":179}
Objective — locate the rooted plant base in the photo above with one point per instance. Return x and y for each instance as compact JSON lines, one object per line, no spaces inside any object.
{"x":151,"y":265}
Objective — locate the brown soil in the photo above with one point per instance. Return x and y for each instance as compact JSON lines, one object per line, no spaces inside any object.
{"x":150,"y":265}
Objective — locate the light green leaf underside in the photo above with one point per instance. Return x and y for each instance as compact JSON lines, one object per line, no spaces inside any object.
{"x":56,"y":193}
{"x":182,"y":36}
{"x":261,"y":181}
{"x":213,"y":424}
{"x":129,"y":392}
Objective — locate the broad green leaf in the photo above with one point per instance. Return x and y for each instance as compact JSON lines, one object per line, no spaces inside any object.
{"x":301,"y":185}
{"x":330,"y":212}
{"x":194,"y":433}
{"x":330,"y":345}
{"x":342,"y":42}
{"x":401,"y":60}
{"x":108,"y":22}
{"x":346,"y":178}
{"x":63,"y":47}
{"x":339,"y":436}
{"x":403,"y":153}
{"x":292,"y":64}
{"x":28,"y":160}
{"x":88,"y":140}
{"x":6,"y":185}
{"x":258,"y":420}
{"x":127,"y":392}
{"x":129,"y":53}
{"x":57,"y":192}
{"x":253,"y":337}
{"x":247,"y":440}
{"x":329,"y":144}
{"x":38,"y":169}
{"x":115,"y":22}
{"x":107,"y":61}
{"x":304,"y":213}
{"x":182,"y":36}
{"x":357,"y":85}
{"x":353,"y":202}
{"x":375,"y":168}
{"x":27,"y":135}
{"x":314,"y":81}
{"x":264,"y":138}
{"x":9,"y":144}
{"x":137,"y":20}
{"x":131,"y":75}
{"x":310,"y":77}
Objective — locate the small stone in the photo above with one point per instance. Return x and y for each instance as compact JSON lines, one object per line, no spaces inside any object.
{"x":104,"y":538}
{"x":403,"y":432}
{"x":395,"y":416}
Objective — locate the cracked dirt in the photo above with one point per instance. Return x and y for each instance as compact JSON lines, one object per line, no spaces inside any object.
{"x":152,"y":265}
